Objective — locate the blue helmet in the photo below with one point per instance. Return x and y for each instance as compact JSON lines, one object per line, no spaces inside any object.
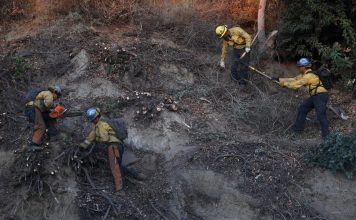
{"x":304,"y":62}
{"x":56,"y":89}
{"x":92,"y":113}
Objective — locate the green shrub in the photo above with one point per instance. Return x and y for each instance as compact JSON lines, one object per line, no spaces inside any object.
{"x":321,"y":30}
{"x":21,"y":67}
{"x":337,"y":153}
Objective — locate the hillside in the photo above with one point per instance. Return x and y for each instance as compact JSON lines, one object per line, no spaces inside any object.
{"x":220,"y":152}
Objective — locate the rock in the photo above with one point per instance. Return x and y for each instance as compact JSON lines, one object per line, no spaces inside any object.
{"x":24,"y":53}
{"x":80,"y":62}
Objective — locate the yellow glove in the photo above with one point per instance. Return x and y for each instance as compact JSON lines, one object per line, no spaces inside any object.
{"x":84,"y":144}
{"x":222,"y":63}
{"x":281,"y":83}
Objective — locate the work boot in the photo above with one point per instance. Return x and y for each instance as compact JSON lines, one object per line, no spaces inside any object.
{"x":33,"y":148}
{"x":242,"y":83}
{"x":119,"y":188}
{"x":120,"y":193}
{"x":134,"y":174}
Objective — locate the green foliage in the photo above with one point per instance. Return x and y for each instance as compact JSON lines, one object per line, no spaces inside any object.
{"x":337,"y":153}
{"x":321,"y":30}
{"x":112,"y":69}
{"x":21,"y":67}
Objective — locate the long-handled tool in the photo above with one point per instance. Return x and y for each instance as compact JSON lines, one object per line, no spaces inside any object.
{"x":244,"y":53}
{"x":341,"y":114}
{"x":260,"y":72}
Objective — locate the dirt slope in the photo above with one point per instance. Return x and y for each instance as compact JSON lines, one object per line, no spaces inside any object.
{"x":224,"y":154}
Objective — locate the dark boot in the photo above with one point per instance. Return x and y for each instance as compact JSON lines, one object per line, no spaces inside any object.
{"x":33,"y":148}
{"x":134,"y":174}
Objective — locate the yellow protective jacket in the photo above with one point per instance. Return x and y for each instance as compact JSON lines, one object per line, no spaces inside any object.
{"x":309,"y":80}
{"x":239,"y":39}
{"x":102,"y":133}
{"x":44,"y":101}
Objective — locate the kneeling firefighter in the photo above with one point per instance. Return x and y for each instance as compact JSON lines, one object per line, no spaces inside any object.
{"x":41,"y":111}
{"x":318,"y":96}
{"x":111,"y":132}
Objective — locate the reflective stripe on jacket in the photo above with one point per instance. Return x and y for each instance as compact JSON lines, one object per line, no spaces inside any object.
{"x":43,"y":101}
{"x":239,"y":39}
{"x":309,"y":80}
{"x":103,"y":133}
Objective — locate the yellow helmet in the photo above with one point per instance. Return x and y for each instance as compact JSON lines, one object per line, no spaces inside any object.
{"x":221,"y":31}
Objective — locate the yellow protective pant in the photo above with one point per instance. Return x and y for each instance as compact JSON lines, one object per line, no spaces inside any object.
{"x":39,"y":128}
{"x":114,"y":160}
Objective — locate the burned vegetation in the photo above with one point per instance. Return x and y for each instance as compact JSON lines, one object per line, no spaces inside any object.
{"x":208,"y":149}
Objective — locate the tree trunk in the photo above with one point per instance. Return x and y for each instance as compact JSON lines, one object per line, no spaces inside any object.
{"x":261,"y":24}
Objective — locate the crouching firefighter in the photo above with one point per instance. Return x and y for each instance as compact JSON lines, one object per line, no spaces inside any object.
{"x":103,"y":132}
{"x":39,"y":109}
{"x":240,"y":40}
{"x":318,"y":96}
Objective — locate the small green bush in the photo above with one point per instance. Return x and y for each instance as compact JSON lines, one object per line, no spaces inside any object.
{"x":21,"y":67}
{"x":337,"y":153}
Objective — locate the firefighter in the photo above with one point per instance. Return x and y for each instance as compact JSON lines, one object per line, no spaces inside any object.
{"x":240,"y":40}
{"x":318,"y":96}
{"x":104,"y":133}
{"x":39,"y":105}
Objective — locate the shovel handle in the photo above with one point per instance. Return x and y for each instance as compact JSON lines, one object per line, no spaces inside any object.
{"x":253,"y":41}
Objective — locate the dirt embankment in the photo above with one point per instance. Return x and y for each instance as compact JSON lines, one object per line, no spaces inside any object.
{"x":225,"y":153}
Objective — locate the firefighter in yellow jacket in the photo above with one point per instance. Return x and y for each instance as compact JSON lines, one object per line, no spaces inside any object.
{"x":104,"y":133}
{"x":38,"y":111}
{"x":240,"y":40}
{"x":318,"y":96}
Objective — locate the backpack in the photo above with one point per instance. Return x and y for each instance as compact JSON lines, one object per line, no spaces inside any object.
{"x":324,"y":75}
{"x":31,"y":94}
{"x":119,"y":125}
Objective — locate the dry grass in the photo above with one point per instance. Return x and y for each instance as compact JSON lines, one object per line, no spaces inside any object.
{"x":243,"y":12}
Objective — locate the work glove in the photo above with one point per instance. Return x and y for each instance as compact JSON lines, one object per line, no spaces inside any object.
{"x":83,"y":145}
{"x":222,"y":64}
{"x":247,"y":49}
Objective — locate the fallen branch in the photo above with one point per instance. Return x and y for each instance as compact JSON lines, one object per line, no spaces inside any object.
{"x":107,"y":213}
{"x":229,"y":155}
{"x":158,"y":211}
{"x":86,"y":154}
{"x":185,"y":124}
{"x":204,"y":99}
{"x":88,"y":177}
{"x":109,"y":200}
{"x":54,"y":195}
{"x":59,"y":156}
